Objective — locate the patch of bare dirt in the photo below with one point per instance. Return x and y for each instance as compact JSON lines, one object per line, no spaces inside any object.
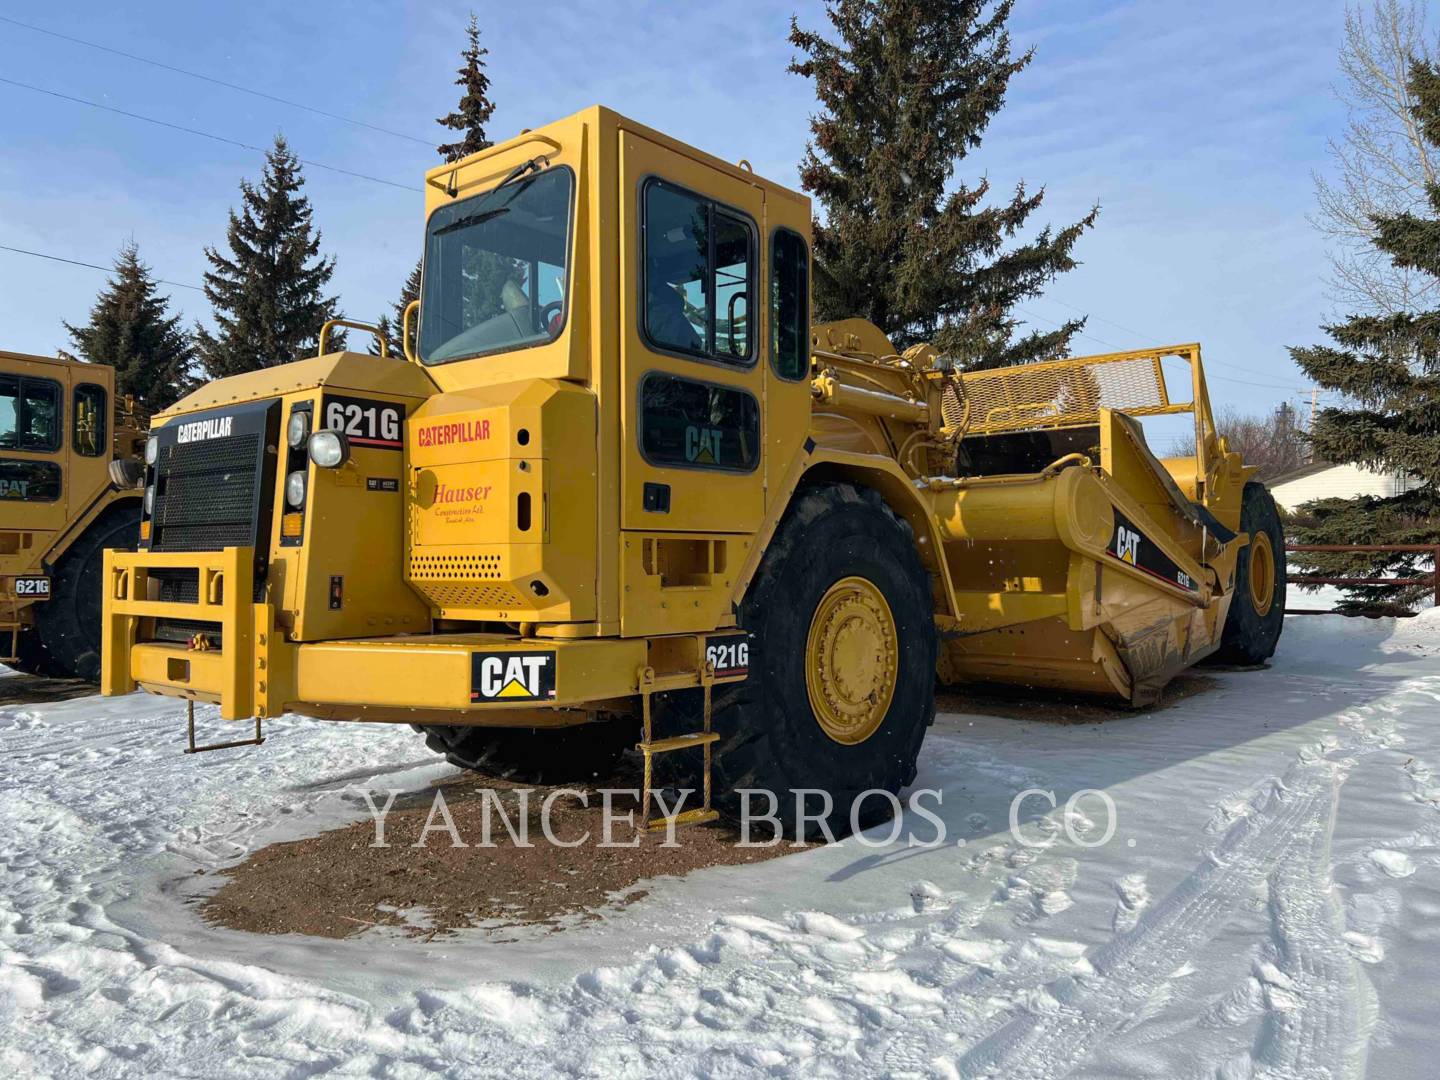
{"x":22,"y":689}
{"x":338,"y":883}
{"x":1053,"y":707}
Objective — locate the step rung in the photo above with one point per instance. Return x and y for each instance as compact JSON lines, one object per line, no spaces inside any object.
{"x":688,"y":817}
{"x":678,"y":742}
{"x":675,"y":680}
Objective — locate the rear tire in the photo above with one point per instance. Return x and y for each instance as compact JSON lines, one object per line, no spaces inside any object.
{"x":68,"y":624}
{"x":839,"y":548}
{"x":535,"y":755}
{"x":1257,"y":613}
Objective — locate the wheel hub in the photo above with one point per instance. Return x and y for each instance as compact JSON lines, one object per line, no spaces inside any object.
{"x":851,"y":660}
{"x":1262,"y":573}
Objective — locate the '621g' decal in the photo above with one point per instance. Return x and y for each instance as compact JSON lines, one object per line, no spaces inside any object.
{"x":730,"y":655}
{"x":365,"y":422}
{"x":36,"y":588}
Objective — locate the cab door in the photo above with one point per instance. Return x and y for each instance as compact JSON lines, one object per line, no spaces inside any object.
{"x":33,"y":487}
{"x":692,"y":356}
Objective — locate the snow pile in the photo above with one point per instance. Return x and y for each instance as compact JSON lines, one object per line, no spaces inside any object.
{"x":1265,"y":906}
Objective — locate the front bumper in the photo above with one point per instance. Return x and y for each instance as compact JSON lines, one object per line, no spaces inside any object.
{"x":249,"y":669}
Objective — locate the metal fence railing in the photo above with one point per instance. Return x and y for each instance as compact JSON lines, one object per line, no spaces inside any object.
{"x":1432,"y":579}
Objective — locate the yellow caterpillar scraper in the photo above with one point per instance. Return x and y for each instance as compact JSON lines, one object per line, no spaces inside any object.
{"x":622,"y":490}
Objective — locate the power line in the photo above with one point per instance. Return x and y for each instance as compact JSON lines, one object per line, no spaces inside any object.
{"x":203,"y":134}
{"x":1108,"y":322}
{"x":211,"y":79}
{"x":1117,"y":348}
{"x":92,"y":266}
{"x":1157,"y":342}
{"x":1081,"y":333}
{"x":197,"y":288}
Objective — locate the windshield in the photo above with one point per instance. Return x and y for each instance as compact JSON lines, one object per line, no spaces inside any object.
{"x":495,"y":269}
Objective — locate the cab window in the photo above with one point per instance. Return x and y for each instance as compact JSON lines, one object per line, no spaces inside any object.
{"x":29,"y":414}
{"x":89,"y":434}
{"x":790,"y":304}
{"x":496,"y":269}
{"x":24,"y":480}
{"x":698,"y":425}
{"x":698,"y":276}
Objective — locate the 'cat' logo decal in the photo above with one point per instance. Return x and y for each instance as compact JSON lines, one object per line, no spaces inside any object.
{"x":512,"y":676}
{"x":1131,"y":546}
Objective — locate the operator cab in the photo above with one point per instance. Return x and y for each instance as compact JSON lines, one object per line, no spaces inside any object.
{"x":628,"y":318}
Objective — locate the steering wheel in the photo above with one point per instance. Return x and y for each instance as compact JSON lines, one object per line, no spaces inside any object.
{"x":548,"y":312}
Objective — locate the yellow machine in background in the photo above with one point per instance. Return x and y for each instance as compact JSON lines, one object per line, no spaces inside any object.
{"x":60,"y":507}
{"x":622,"y":489}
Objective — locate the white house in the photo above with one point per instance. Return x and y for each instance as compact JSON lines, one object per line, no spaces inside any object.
{"x":1323,"y":480}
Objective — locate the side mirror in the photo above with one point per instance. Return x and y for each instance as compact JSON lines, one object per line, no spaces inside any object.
{"x":411,"y":309}
{"x":126,"y":473}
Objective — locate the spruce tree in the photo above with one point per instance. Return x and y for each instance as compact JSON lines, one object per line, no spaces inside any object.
{"x":268,"y":292}
{"x":1387,"y":367}
{"x":391,"y":322}
{"x":132,"y":330}
{"x":906,"y":91}
{"x":474,"y":110}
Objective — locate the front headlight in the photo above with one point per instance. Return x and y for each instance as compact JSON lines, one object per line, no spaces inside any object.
{"x":152,"y":450}
{"x":297,"y":429}
{"x":150,"y":500}
{"x":329,"y":449}
{"x":295,"y":489}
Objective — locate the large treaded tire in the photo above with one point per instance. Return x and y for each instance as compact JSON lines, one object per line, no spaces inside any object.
{"x":535,"y":755}
{"x":1249,"y":636}
{"x":33,"y":659}
{"x":770,"y":737}
{"x":68,"y":624}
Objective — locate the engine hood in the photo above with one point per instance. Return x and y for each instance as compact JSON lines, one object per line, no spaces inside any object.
{"x":340,"y":370}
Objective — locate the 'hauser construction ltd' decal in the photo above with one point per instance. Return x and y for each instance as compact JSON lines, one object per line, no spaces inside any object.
{"x":1129,"y":545}
{"x":512,"y":676}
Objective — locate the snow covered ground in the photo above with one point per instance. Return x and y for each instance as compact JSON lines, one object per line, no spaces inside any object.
{"x":1268,"y":906}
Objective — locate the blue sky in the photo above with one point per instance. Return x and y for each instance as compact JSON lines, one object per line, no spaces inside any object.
{"x":1197,"y":127}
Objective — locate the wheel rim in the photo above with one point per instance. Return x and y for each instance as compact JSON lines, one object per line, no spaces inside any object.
{"x":1262,"y":573}
{"x":852,"y":660}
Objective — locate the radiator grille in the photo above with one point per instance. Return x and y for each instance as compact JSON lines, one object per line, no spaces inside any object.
{"x":205,"y":496}
{"x":177,"y":586}
{"x":213,"y":487}
{"x":180,"y":631}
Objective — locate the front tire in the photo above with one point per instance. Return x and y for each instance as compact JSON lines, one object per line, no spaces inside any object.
{"x":1257,"y":612}
{"x":535,"y":755}
{"x":842,"y":677}
{"x":69,"y":623}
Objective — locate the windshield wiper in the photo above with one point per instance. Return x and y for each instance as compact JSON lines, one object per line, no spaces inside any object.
{"x":471,"y":219}
{"x":519,"y":170}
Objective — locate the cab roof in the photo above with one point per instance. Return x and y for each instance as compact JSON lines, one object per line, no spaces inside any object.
{"x":556,"y":133}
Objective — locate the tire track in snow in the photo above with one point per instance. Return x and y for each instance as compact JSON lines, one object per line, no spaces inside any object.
{"x":1076,"y":1012}
{"x":1319,"y":1006}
